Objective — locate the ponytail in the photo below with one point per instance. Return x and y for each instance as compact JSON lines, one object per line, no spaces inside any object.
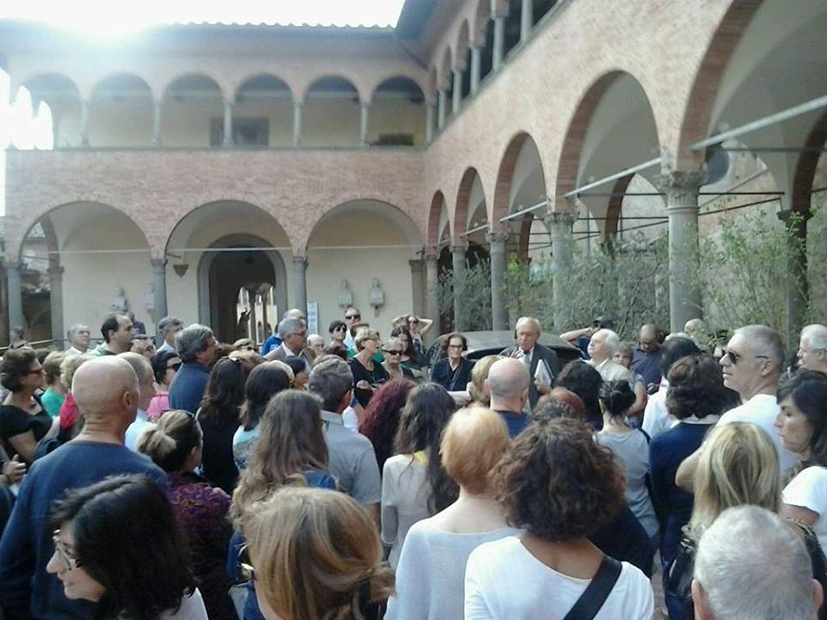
{"x":171,"y":441}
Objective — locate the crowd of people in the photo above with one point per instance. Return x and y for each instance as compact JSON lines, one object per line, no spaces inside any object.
{"x":356,"y":477}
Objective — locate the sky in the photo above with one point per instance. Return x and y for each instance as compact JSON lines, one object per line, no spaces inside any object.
{"x":24,"y":127}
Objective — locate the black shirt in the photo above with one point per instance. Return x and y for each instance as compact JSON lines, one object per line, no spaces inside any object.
{"x":452,"y":380}
{"x":15,"y":421}
{"x":375,"y":377}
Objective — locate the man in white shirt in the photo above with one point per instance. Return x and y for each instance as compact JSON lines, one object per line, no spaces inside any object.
{"x":812,"y":348}
{"x":78,"y":335}
{"x":752,"y":367}
{"x":602,"y":347}
{"x":656,"y":418}
{"x":352,"y":316}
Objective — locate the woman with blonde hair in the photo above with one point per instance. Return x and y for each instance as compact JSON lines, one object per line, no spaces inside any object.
{"x":55,"y":393}
{"x":316,"y":554}
{"x":479,"y":373}
{"x":431,"y":569}
{"x":368,"y":375}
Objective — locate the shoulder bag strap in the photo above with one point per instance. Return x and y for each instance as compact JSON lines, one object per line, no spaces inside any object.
{"x":595,"y":595}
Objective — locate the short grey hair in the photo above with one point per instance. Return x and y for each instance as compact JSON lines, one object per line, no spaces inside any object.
{"x":193,"y":340}
{"x":753,"y":566}
{"x":330,"y":380}
{"x":528,"y":320}
{"x":288,"y":327}
{"x":168,"y":323}
{"x":141,"y":366}
{"x":816,"y":336}
{"x":75,"y":329}
{"x":765,"y":341}
{"x":612,"y":340}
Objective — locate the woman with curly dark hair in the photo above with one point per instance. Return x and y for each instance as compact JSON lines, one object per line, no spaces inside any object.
{"x":412,"y":359}
{"x":415,"y":486}
{"x":696,"y":397}
{"x":117,"y":545}
{"x":558,"y":486}
{"x":219,"y":417}
{"x":382,"y":417}
{"x":582,"y":379}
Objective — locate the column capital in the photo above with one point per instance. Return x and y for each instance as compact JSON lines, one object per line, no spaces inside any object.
{"x":56,"y":271}
{"x":300,"y":260}
{"x":297,"y":103}
{"x":560,"y":218}
{"x":416,"y":264}
{"x":681,"y":181}
{"x":459,"y":247}
{"x":159,"y":263}
{"x":12,"y":264}
{"x":497,"y":237}
{"x":431,"y":255}
{"x":789,"y":216}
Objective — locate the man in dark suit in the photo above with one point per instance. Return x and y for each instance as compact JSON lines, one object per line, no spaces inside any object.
{"x":293,"y":334}
{"x":541,"y":361}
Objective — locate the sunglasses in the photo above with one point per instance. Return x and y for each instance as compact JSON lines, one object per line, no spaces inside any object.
{"x":353,"y":316}
{"x":392,"y":352}
{"x":66,"y":560}
{"x":734,"y":357}
{"x":175,"y":366}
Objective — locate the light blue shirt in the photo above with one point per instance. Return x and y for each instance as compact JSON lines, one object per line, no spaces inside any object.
{"x":136,"y":428}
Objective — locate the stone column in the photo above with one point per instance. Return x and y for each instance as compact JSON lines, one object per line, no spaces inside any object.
{"x":499,"y":42}
{"x":265,"y":298}
{"x":159,"y":292}
{"x":156,"y":123}
{"x":430,"y":115}
{"x":300,"y":283}
{"x":84,"y":123}
{"x":56,"y":298}
{"x":560,"y":225}
{"x":499,"y":315}
{"x":797,"y":293}
{"x":526,"y":19}
{"x":252,"y":295}
{"x":457,"y":103}
{"x":432,"y":270}
{"x":443,"y":108}
{"x":228,"y":124}
{"x":476,"y":69}
{"x":681,"y":189}
{"x":297,"y":123}
{"x":417,"y":290}
{"x":364,"y":110}
{"x":458,"y":257}
{"x":15,"y":294}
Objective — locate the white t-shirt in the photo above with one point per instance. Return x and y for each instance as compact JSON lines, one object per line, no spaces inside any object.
{"x":762,"y":409}
{"x":405,"y":494}
{"x":503,"y":581}
{"x":192,"y":608}
{"x":809,"y":490}
{"x":656,"y":418}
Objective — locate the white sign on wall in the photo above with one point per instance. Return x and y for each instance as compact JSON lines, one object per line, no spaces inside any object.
{"x":312,"y":317}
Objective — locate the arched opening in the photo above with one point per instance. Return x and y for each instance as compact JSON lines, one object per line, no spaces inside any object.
{"x":192,"y":114}
{"x":397,"y":114}
{"x":484,"y":35}
{"x":446,"y":83}
{"x":218,"y":249}
{"x":541,"y":7}
{"x":263,"y":113}
{"x":63,"y":99}
{"x":379,"y":271}
{"x":464,"y":59}
{"x":512,"y":26}
{"x":120,"y":112}
{"x":331,"y":114}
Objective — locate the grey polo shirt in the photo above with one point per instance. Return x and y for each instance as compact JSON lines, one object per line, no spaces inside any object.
{"x":352,"y":461}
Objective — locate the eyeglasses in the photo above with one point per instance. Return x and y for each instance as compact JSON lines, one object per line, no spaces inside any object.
{"x":341,"y":328}
{"x":454,"y":346}
{"x":413,"y":322}
{"x":66,"y":560}
{"x":175,"y":366}
{"x":734,"y":357}
{"x":392,"y":352}
{"x":353,"y":316}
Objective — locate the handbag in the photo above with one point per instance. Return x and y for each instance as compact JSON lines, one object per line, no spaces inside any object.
{"x":591,"y":601}
{"x":679,"y":572}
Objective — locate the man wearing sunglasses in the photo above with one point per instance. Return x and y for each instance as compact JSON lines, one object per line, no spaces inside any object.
{"x":352,"y":316}
{"x":752,"y":366}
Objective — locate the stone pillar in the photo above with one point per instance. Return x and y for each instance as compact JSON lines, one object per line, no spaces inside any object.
{"x":681,"y":190}
{"x":458,"y":258}
{"x":159,"y":292}
{"x":797,"y":293}
{"x":432,"y":269}
{"x":56,"y":298}
{"x":300,"y":283}
{"x":430,"y":115}
{"x":228,"y":124}
{"x":476,"y":69}
{"x":297,"y":123}
{"x":457,"y":103}
{"x":252,"y":295}
{"x":417,"y":290}
{"x":443,"y":105}
{"x":15,"y":294}
{"x":499,"y":315}
{"x":560,"y":225}
{"x":265,"y":298}
{"x":364,"y":117}
{"x":526,"y":19}
{"x":156,"y":123}
{"x":84,"y":123}
{"x":499,"y":42}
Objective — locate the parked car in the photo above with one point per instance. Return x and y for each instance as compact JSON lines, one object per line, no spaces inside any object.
{"x":485,"y":343}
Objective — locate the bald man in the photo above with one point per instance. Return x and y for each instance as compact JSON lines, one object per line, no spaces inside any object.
{"x":106,"y":391}
{"x":508,"y":383}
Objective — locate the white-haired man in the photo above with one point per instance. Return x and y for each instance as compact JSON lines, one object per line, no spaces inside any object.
{"x":542,"y":362}
{"x":751,"y":564}
{"x":812,"y":348}
{"x":79,"y":336}
{"x":602,"y":347}
{"x":274,"y":340}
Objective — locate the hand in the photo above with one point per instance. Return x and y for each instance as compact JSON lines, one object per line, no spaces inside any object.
{"x":363,"y":385}
{"x":14,"y":470}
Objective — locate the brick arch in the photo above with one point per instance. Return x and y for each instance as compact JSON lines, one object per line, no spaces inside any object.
{"x":463,"y":42}
{"x":505,"y":175}
{"x":460,"y":218}
{"x":481,"y":17}
{"x":698,"y":111}
{"x":568,"y":165}
{"x":434,"y":214}
{"x":615,"y":209}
